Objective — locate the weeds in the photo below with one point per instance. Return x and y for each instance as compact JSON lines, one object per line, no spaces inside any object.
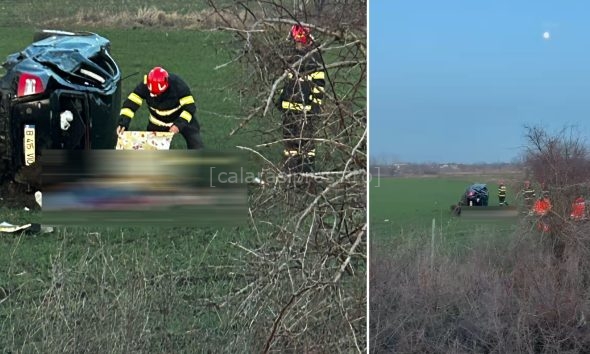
{"x":526,"y":294}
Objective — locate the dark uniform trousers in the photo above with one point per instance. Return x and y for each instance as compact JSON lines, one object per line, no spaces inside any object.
{"x":299,"y":147}
{"x":191,"y":133}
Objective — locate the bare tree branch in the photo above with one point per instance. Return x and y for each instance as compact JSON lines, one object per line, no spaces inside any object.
{"x":305,"y":278}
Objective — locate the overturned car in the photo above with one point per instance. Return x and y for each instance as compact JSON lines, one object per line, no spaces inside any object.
{"x":476,"y":195}
{"x":61,"y":92}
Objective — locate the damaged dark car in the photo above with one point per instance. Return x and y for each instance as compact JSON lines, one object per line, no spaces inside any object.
{"x":63,"y":91}
{"x":476,"y":195}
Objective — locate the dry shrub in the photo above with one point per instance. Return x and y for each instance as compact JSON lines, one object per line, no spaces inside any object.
{"x":527,"y":295}
{"x":560,"y":162}
{"x":511,"y":298}
{"x":306,"y":290}
{"x":147,"y":17}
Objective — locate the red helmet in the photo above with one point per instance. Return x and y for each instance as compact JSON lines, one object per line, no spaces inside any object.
{"x":300,"y":34}
{"x":157,"y":80}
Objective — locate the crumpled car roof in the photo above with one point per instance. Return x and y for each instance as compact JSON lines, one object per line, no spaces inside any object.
{"x":80,"y":61}
{"x":66,"y":52}
{"x":479,"y":187}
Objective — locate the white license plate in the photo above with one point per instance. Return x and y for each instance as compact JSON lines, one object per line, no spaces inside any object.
{"x":29,"y":141}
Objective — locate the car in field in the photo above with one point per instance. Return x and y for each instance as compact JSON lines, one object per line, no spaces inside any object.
{"x":63,"y":91}
{"x":476,"y":194}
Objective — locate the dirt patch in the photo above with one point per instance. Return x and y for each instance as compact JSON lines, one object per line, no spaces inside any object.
{"x":488,"y":214}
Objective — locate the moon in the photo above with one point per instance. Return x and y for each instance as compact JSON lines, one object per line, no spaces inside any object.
{"x":546,"y":35}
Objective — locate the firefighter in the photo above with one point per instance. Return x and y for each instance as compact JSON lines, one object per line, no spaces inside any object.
{"x":502,"y":194}
{"x":529,"y":195}
{"x":300,"y":101}
{"x":170,"y":103}
{"x":578,"y":209}
{"x":541,"y":209}
{"x":542,"y":206}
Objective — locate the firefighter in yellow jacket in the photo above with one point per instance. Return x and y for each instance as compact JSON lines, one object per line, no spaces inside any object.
{"x":300,"y":102}
{"x":528,"y":194}
{"x":170,"y":103}
{"x":502,"y":194}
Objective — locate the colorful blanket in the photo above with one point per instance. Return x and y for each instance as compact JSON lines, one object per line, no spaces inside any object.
{"x":144,"y":140}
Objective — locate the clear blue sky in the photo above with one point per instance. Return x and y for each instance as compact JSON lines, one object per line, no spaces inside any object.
{"x":456,"y":81}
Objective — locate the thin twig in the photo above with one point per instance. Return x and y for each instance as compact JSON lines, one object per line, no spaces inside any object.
{"x":359,"y":237}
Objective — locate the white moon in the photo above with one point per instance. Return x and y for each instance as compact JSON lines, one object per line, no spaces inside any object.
{"x":546,"y":35}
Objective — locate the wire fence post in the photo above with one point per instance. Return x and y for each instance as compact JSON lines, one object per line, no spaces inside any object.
{"x":432,"y":245}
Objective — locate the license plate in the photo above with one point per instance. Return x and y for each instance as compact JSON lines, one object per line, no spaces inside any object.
{"x":29,"y":142}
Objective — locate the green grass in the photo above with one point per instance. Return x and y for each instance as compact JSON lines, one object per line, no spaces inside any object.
{"x":196,"y":267}
{"x":131,"y":289}
{"x":400,"y":206}
{"x":187,"y":270}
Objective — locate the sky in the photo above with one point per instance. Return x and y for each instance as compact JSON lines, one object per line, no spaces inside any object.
{"x":458,"y":80}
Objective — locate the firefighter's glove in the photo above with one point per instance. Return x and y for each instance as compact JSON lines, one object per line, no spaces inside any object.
{"x":180,"y":123}
{"x":124,"y":122}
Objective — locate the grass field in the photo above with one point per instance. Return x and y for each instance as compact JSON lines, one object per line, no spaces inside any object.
{"x":161,"y":285}
{"x":105,"y":289}
{"x":30,"y":11}
{"x":200,"y":260}
{"x":477,"y":286}
{"x":401,"y":206}
{"x":194,"y":266}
